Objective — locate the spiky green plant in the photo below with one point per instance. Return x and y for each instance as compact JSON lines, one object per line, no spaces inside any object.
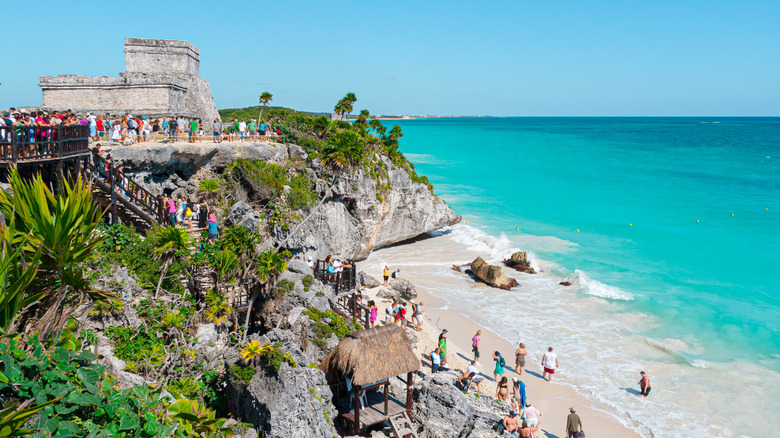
{"x":171,"y":244}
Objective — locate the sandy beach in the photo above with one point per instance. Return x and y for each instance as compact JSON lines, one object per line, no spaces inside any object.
{"x":552,"y":399}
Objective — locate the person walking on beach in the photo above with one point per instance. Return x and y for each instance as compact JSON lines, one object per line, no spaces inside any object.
{"x":549,"y":363}
{"x":531,"y":414}
{"x":443,"y":347}
{"x":418,"y":311}
{"x":644,"y":385}
{"x":518,"y":394}
{"x":500,"y":362}
{"x":386,"y":274}
{"x":475,"y":346}
{"x":520,"y":359}
{"x":502,"y":389}
{"x":573,"y":424}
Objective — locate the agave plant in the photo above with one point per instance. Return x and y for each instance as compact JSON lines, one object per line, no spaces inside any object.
{"x":209,"y":186}
{"x":254,"y":349}
{"x":59,"y":232}
{"x":16,"y":274}
{"x":172,"y":319}
{"x":197,"y":420}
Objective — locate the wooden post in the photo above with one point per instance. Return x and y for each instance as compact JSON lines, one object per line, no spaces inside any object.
{"x":409,"y":383}
{"x":111,"y":179}
{"x":356,"y":404}
{"x":387,"y":395}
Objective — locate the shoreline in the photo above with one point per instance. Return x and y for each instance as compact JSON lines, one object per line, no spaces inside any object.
{"x":552,"y":399}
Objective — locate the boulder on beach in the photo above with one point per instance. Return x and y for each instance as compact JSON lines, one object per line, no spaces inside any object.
{"x":491,"y":275}
{"x":404,"y":287}
{"x":519,"y":262}
{"x":368,"y":281}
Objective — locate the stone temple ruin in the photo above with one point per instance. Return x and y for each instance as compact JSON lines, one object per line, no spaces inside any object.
{"x":162,"y":80}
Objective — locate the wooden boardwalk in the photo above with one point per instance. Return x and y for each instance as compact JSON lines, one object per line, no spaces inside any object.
{"x":374,"y":412}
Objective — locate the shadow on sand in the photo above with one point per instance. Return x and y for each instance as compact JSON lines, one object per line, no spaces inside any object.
{"x":631,"y":390}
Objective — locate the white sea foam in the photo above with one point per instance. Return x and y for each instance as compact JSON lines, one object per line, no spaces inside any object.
{"x":596,"y":288}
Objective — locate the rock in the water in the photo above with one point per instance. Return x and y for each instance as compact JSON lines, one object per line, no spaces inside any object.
{"x":565,"y":283}
{"x":299,"y":266}
{"x":295,"y":402}
{"x":491,"y":275}
{"x":242,"y":214}
{"x":404,"y":287}
{"x":519,"y":262}
{"x":368,"y":281}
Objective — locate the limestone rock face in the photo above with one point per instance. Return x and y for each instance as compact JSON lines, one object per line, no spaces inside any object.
{"x":354,"y":222}
{"x":519,"y":262}
{"x":294,"y":403}
{"x":368,"y":281}
{"x":299,"y":266}
{"x":242,"y":214}
{"x":447,"y":412}
{"x":491,"y":275}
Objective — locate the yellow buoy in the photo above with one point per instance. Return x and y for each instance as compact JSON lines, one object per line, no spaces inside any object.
{"x":468,"y":223}
{"x":578,"y":230}
{"x":697,"y":220}
{"x":732,"y":214}
{"x":630,"y":225}
{"x":517,"y":228}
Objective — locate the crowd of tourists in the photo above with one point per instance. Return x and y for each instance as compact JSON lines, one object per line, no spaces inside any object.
{"x":134,"y":128}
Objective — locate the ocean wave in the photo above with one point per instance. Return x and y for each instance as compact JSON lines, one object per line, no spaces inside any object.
{"x":596,"y":288}
{"x":491,"y":247}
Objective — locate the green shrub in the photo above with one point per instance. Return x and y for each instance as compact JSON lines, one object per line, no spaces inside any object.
{"x":328,"y":323}
{"x":243,"y":374}
{"x":307,"y":281}
{"x":301,"y":193}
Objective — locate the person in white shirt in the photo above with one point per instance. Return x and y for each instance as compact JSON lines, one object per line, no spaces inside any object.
{"x":531,"y":415}
{"x":550,"y":363}
{"x":310,"y":262}
{"x":435,"y":360}
{"x":92,"y":120}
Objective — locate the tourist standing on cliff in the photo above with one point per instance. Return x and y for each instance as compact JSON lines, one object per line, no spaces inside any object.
{"x":172,"y":211}
{"x":386,"y":274}
{"x":203,"y":214}
{"x":181,"y":127}
{"x":92,"y":120}
{"x":549,"y":363}
{"x":216,"y":128}
{"x":573,"y":424}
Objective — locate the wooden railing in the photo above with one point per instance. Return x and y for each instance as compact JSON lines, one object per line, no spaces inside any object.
{"x":30,"y":143}
{"x":127,"y":192}
{"x":343,"y":281}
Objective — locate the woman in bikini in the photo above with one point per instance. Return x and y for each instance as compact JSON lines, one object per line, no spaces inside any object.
{"x":502,"y":390}
{"x":520,"y":359}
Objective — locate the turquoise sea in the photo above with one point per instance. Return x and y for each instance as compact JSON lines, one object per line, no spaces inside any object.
{"x":673,"y":222}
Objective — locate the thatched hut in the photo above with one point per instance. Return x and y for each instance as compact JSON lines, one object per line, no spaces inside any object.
{"x":368,"y":359}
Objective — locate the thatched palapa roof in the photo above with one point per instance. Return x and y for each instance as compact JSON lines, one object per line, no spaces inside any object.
{"x":371,"y":355}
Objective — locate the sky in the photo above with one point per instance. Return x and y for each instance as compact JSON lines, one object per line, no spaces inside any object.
{"x":501,"y":58}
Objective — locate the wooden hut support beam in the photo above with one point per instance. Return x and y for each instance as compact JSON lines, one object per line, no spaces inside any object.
{"x":356,"y":404}
{"x":409,"y":384}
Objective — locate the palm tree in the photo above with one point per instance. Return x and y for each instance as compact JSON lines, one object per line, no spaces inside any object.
{"x":59,"y":229}
{"x":344,"y":106}
{"x":395,"y":133}
{"x":378,"y":127}
{"x":269,"y":264}
{"x":343,"y":149}
{"x":363,"y":117}
{"x":265,"y":97}
{"x":171,"y":243}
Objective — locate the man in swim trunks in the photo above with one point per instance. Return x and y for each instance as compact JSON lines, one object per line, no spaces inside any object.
{"x":644,"y":385}
{"x":510,"y":423}
{"x":549,"y":363}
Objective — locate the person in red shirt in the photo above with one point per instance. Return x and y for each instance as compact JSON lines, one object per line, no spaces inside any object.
{"x":101,"y":129}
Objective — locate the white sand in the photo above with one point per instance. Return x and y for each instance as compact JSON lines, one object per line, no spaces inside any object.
{"x":550,"y":398}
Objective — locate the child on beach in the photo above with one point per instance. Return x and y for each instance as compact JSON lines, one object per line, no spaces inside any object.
{"x":499,"y":371}
{"x":475,"y":346}
{"x":644,"y":384}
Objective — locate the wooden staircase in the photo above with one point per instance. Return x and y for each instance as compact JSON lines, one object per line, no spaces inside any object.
{"x":126,"y":200}
{"x":402,"y":426}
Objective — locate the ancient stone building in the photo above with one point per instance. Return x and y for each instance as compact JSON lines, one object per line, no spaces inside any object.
{"x":162,"y":80}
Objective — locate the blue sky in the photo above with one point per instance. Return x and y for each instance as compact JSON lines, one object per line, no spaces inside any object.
{"x":500,"y":58}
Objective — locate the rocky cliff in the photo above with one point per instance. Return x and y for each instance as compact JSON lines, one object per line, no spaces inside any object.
{"x":355,"y":217}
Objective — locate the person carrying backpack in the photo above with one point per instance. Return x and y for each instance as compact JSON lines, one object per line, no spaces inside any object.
{"x":500,"y":362}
